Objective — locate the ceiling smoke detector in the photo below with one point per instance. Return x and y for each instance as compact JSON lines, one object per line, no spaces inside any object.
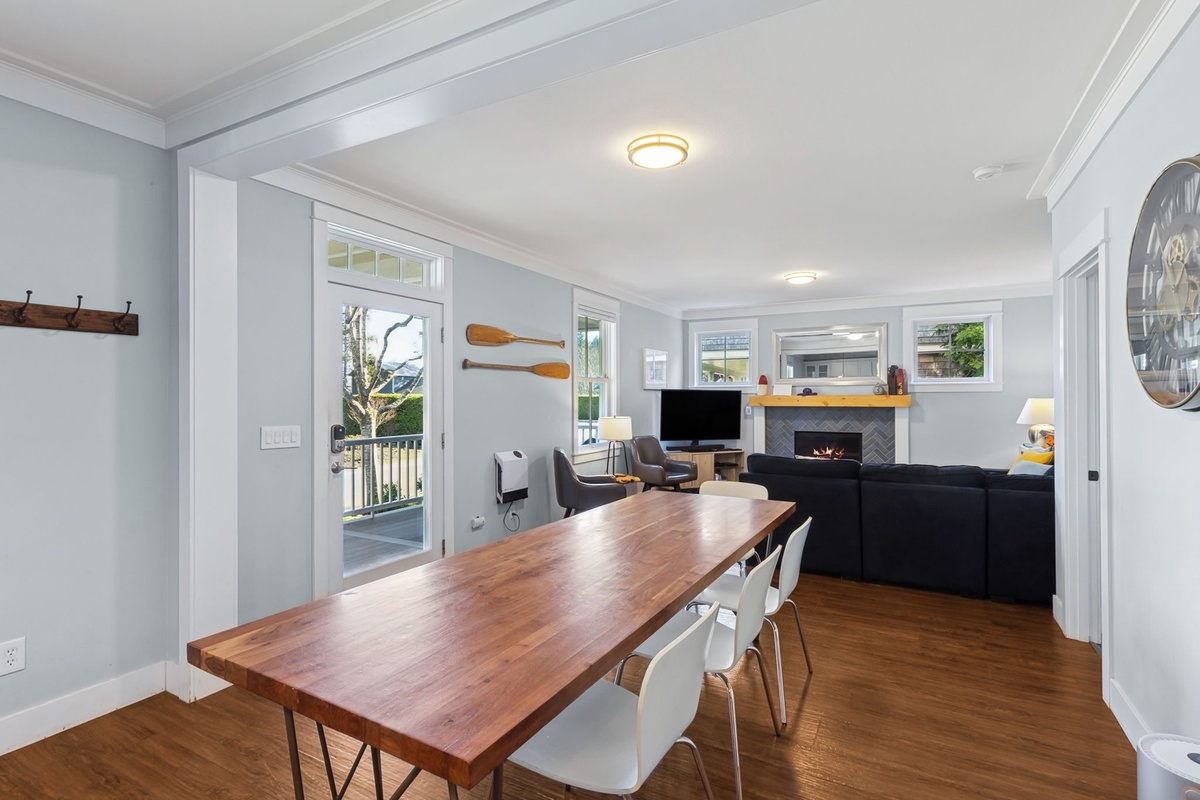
{"x":988,"y":172}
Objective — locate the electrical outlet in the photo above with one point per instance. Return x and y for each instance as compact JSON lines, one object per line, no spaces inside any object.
{"x":12,"y":656}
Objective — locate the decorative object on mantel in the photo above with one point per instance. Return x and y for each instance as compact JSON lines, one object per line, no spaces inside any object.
{"x":1038,"y":414}
{"x":25,"y":314}
{"x":547,"y":369}
{"x":880,"y":389}
{"x":901,"y":381}
{"x":1163,"y":289}
{"x":781,"y":389}
{"x":891,"y":379}
{"x":762,"y":385}
{"x":807,"y":392}
{"x":488,"y":336}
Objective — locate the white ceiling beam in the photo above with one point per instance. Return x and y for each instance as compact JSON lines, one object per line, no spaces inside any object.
{"x":555,"y":42}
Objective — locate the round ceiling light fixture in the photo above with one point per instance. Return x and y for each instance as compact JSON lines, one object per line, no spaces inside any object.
{"x":658,"y":151}
{"x":799,"y":278}
{"x":988,"y":172}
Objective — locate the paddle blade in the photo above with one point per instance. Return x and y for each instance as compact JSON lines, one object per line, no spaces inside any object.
{"x":553,"y":369}
{"x":488,"y":336}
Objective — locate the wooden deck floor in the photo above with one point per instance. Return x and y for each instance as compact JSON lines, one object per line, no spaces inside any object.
{"x":371,"y":542}
{"x":916,"y":695}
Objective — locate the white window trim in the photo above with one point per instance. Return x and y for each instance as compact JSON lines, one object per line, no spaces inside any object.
{"x":991,"y":312}
{"x":694,"y":329}
{"x":607,"y":309}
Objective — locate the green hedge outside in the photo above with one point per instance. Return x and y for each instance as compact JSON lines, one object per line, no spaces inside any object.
{"x":409,"y":419}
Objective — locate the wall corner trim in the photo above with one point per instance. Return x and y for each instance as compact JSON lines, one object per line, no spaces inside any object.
{"x":34,"y":724}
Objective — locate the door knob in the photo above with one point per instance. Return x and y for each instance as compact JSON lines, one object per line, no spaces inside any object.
{"x":336,"y":467}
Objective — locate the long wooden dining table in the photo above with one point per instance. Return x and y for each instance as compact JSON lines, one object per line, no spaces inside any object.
{"x":453,"y":665}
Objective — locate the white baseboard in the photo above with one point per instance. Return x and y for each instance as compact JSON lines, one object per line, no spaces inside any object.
{"x":1127,"y":715}
{"x":1060,"y":614}
{"x":34,"y":724}
{"x":190,"y":684}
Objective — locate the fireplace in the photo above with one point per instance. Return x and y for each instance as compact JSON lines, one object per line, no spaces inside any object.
{"x":829,"y":444}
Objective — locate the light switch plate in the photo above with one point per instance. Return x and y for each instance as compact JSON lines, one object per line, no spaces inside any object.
{"x":278,"y":437}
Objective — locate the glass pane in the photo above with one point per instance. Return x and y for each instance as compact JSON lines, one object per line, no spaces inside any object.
{"x":414,"y":271}
{"x":383,"y":484}
{"x":339,"y":254}
{"x":591,"y":404}
{"x":389,"y":266}
{"x":725,"y":357}
{"x":950,"y":350}
{"x":589,"y":354}
{"x":362,"y":260}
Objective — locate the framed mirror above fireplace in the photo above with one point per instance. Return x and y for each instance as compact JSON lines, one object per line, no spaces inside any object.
{"x":840,"y":355}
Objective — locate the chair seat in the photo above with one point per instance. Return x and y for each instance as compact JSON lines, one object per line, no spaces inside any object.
{"x":720,"y":650}
{"x":592,"y":744}
{"x":728,"y":588}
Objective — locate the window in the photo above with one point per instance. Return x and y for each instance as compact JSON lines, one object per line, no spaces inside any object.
{"x":723,"y":353}
{"x":954,"y":348}
{"x":595,"y":367}
{"x":362,"y":254}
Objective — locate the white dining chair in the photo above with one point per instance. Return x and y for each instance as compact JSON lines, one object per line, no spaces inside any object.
{"x":750,"y":491}
{"x":728,"y":646}
{"x":727,"y":590}
{"x":609,"y":740}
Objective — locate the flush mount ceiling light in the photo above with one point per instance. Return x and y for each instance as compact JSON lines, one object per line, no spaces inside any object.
{"x":988,"y":172}
{"x":658,"y":151}
{"x":800,"y":277}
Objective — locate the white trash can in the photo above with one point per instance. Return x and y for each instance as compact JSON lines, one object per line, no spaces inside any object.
{"x":1168,"y":767}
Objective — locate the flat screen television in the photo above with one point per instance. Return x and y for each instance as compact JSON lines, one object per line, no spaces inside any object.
{"x":695,"y":415}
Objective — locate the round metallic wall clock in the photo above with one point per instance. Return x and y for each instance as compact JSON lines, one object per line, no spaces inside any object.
{"x":1163,"y":298}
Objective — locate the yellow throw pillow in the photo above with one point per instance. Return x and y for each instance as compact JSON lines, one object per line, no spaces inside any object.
{"x":1035,"y":457}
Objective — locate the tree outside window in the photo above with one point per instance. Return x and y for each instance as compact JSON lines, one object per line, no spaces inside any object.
{"x":593,"y":381}
{"x":724,"y":357}
{"x":952,"y":350}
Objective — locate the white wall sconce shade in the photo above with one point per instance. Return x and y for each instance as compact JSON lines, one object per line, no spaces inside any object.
{"x":658,"y":151}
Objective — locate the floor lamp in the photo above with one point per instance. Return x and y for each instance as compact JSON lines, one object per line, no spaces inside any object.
{"x":614,"y":429}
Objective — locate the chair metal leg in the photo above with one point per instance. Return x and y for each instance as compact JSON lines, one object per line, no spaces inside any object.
{"x":779,"y":671}
{"x":762,"y":671}
{"x":699,"y":765}
{"x":803,"y":643}
{"x":737,"y":761}
{"x":621,"y":668}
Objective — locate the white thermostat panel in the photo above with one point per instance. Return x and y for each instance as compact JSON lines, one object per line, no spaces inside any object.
{"x":512,"y":476}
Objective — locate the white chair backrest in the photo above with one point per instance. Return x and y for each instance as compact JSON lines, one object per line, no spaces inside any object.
{"x":789,"y":566}
{"x":734,"y":489}
{"x":671,"y":693}
{"x":752,"y":605}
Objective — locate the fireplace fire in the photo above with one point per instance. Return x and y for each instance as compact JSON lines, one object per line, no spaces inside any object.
{"x":829,"y":444}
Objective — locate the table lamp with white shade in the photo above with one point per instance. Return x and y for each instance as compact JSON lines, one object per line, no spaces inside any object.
{"x":1038,"y":414}
{"x":613,"y":430}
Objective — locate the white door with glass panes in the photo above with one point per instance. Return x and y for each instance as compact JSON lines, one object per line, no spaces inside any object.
{"x":380,"y":391}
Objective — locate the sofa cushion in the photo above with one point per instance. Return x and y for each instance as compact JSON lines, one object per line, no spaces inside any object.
{"x":924,"y":475}
{"x":803,"y":467}
{"x":1024,"y":467}
{"x":1021,"y":483}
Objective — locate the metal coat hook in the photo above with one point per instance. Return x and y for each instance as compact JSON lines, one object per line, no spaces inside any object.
{"x":73,"y":317}
{"x":119,"y":322}
{"x":19,"y":314}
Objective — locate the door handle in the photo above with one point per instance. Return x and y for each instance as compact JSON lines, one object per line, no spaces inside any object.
{"x":336,"y":468}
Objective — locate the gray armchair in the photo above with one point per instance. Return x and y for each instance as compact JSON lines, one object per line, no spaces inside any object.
{"x":582,"y":492}
{"x":650,"y":463}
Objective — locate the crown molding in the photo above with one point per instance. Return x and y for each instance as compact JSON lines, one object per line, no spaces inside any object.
{"x":971,"y":295}
{"x":1147,"y":35}
{"x":82,"y":105}
{"x":334,"y":191}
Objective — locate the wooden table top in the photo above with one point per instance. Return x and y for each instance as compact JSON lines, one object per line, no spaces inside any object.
{"x":453,"y":665}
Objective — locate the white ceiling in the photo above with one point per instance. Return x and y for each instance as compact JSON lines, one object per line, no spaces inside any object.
{"x":837,"y":137}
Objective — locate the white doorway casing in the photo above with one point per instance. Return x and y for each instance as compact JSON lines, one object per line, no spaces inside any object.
{"x":1081,"y":392}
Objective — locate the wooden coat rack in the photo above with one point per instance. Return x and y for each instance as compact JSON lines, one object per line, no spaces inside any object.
{"x":64,"y":318}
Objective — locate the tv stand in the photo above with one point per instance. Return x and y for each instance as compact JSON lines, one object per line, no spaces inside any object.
{"x":726,"y":462}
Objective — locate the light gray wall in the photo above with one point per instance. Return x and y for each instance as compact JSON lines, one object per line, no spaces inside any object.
{"x":1154,"y":453}
{"x":641,"y":328}
{"x":495,"y":410}
{"x":275,"y":528}
{"x":88,"y":475}
{"x":976,"y":428}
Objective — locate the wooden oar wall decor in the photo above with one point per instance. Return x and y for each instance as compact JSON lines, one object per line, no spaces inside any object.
{"x":489,"y":336}
{"x":548,"y":369}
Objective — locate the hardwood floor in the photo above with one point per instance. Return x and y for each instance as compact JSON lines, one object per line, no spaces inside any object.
{"x":915,"y":695}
